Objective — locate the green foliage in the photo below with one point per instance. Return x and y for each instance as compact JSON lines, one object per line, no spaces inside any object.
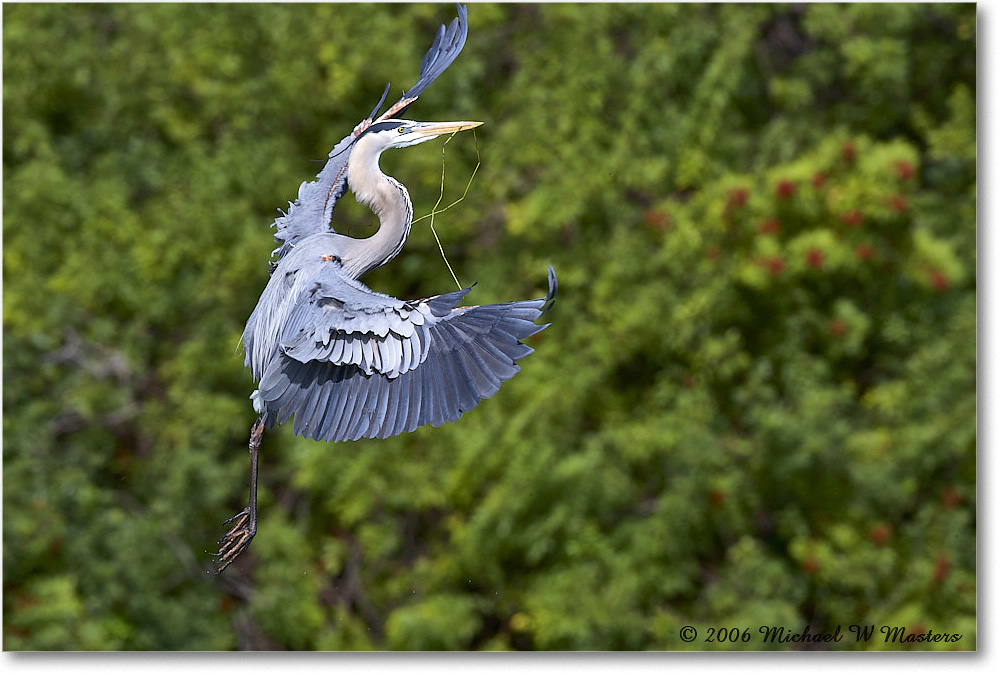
{"x":755,"y":404}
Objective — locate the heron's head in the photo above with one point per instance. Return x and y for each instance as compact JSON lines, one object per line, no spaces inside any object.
{"x":404,"y":133}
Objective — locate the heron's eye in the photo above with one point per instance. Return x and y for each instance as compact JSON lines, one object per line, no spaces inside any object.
{"x":401,"y":130}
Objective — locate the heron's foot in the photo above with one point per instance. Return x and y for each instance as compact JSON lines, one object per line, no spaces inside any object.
{"x":236,"y":540}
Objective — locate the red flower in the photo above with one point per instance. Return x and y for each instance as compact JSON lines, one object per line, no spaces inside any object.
{"x":815,"y":258}
{"x":769,"y":226}
{"x":775,"y":265}
{"x":810,"y":564}
{"x":849,"y":151}
{"x":863,"y":252}
{"x":656,"y":219}
{"x":905,"y":170}
{"x":785,"y":189}
{"x":879,"y":534}
{"x":852,"y":218}
{"x":941,"y":568}
{"x":819,"y":178}
{"x":898,"y":203}
{"x":716,"y":497}
{"x":713,"y":252}
{"x":737,"y":199}
{"x":939,"y":281}
{"x":950,"y":497}
{"x":838,"y":328}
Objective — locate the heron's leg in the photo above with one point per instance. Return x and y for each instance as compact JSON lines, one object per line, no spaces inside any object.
{"x":238,"y":538}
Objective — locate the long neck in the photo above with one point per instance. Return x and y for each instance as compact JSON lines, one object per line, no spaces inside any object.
{"x":390,"y":201}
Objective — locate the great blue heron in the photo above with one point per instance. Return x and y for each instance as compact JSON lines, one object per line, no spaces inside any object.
{"x":346,"y":361}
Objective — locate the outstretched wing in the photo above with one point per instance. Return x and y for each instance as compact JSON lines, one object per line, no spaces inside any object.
{"x":447,"y":45}
{"x":311,"y":212}
{"x":354,"y":364}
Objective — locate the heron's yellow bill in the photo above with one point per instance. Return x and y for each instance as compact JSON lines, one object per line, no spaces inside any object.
{"x":431,"y":129}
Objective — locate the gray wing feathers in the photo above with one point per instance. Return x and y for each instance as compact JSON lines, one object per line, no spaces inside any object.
{"x":460,"y":357}
{"x":340,"y":321}
{"x":447,"y":45}
{"x":312,"y":210}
